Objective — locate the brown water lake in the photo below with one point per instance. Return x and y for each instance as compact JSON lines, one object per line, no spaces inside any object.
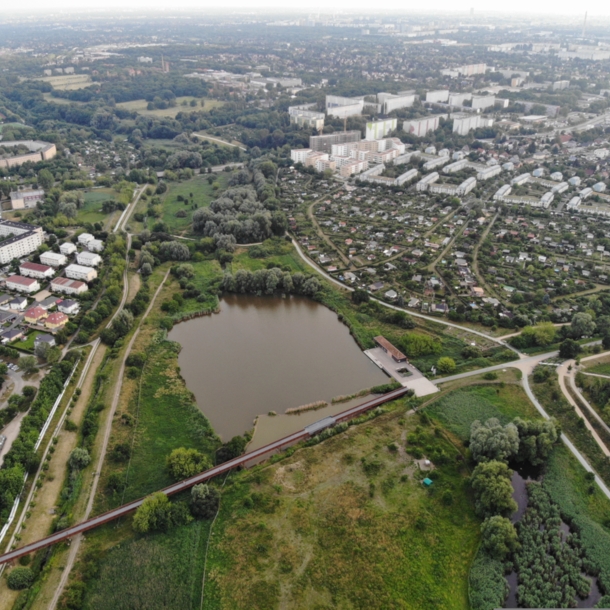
{"x":262,"y":354}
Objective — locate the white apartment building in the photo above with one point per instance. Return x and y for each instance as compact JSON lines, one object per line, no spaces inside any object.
{"x":68,"y":286}
{"x":462,"y":124}
{"x":88,"y":259}
{"x":502,"y":192}
{"x":22,"y":284}
{"x":520,"y":179}
{"x":35,"y":270}
{"x":458,"y":99}
{"x":85,"y":238}
{"x":355,"y":167}
{"x":376,"y":130}
{"x":483,"y":101}
{"x":67,"y":248}
{"x":53,"y":259}
{"x":426,"y":181}
{"x":298,"y":155}
{"x":436,"y":97}
{"x":420,"y":127}
{"x":489,"y":172}
{"x":80,"y":272}
{"x":23,"y":239}
{"x":95,"y":245}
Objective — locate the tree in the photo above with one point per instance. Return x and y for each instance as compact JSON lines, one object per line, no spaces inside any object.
{"x":28,"y":364}
{"x":417,"y":344}
{"x":146,"y":270}
{"x":536,"y":439}
{"x":234,"y":448}
{"x":204,"y":501}
{"x":79,"y":459}
{"x":154,"y":514}
{"x":492,"y":441}
{"x":491,"y":483}
{"x":544,"y":334}
{"x":45,"y":179}
{"x":20,"y":578}
{"x":582,"y":325}
{"x":122,"y":323}
{"x":499,"y":537}
{"x":569,"y":349}
{"x":183,"y":463}
{"x":445,"y":365}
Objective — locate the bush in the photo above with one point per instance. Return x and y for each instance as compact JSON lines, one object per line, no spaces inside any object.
{"x":204,"y":501}
{"x":79,"y":459}
{"x":445,"y":365}
{"x":20,"y":578}
{"x":183,"y":463}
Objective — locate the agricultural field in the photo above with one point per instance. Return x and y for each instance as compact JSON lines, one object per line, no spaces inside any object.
{"x":68,"y":82}
{"x":183,"y":104}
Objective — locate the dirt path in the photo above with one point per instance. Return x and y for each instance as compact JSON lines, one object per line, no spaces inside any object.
{"x":562,"y":372}
{"x":10,"y":431}
{"x":327,"y":240}
{"x":75,"y":546}
{"x":475,"y":262}
{"x":134,"y":285}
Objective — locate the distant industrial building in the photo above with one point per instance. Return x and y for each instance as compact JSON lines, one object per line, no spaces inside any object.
{"x":26,"y":199}
{"x":37,"y":151}
{"x":561,"y":84}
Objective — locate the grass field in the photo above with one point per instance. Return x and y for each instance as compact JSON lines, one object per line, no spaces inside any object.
{"x":603,"y":368}
{"x":141,"y":106}
{"x":459,"y":409}
{"x":343,"y":524}
{"x":92,"y":210}
{"x":203,"y":193}
{"x":68,"y":82}
{"x":58,"y":100}
{"x":28,"y":344}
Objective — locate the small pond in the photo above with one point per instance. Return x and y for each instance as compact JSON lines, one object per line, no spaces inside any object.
{"x":262,"y":354}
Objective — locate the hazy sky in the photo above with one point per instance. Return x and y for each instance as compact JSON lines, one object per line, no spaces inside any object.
{"x":544,"y":7}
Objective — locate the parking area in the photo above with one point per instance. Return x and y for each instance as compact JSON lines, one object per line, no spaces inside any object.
{"x":406,"y":374}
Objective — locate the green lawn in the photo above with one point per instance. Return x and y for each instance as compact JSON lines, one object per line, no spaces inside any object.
{"x":141,"y":106}
{"x":203,"y":193}
{"x":457,"y":410}
{"x":92,"y":209}
{"x":600,"y":369}
{"x":28,"y":344}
